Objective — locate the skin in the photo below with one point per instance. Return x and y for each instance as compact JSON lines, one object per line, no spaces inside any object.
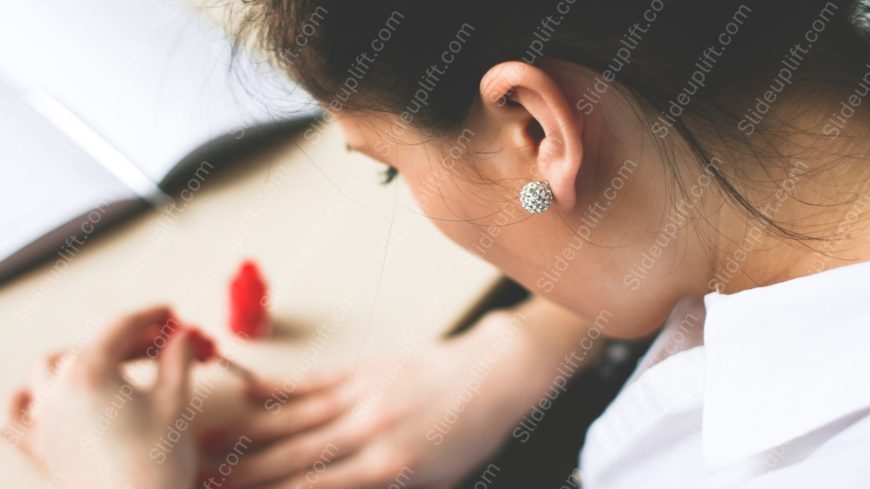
{"x":581,"y":156}
{"x":536,"y":135}
{"x":57,"y":422}
{"x":372,"y":443}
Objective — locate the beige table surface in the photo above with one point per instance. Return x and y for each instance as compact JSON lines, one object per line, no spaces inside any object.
{"x":355,"y":271}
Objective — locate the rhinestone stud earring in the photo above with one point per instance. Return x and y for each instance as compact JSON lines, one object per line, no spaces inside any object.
{"x":536,"y":196}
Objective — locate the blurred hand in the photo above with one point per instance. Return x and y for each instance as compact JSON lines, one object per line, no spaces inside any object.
{"x":425,"y":419}
{"x":89,"y":427}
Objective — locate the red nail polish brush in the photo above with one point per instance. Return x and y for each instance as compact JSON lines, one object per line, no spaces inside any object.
{"x":205,"y":350}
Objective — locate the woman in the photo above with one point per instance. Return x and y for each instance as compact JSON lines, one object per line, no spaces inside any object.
{"x":614,"y":157}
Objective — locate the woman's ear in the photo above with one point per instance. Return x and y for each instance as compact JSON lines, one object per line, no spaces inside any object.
{"x":534,"y":110}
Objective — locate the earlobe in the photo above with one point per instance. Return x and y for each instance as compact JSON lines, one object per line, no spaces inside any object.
{"x":547,"y":124}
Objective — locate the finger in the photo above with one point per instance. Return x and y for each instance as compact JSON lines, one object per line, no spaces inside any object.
{"x":152,"y":342}
{"x":15,"y":432}
{"x":294,"y":455}
{"x":285,"y":420}
{"x":13,"y":435}
{"x":52,"y":366}
{"x":44,"y":379}
{"x":360,"y":471}
{"x":123,"y":339}
{"x":53,"y":361}
{"x":283,"y":391}
{"x":45,"y":370}
{"x":174,"y":367}
{"x":19,"y":404}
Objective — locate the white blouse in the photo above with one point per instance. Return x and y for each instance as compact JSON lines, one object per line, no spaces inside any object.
{"x":770,"y":390}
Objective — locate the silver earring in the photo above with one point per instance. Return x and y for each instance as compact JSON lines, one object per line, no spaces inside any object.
{"x":536,"y":196}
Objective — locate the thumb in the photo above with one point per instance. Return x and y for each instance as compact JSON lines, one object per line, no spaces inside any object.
{"x":174,"y":366}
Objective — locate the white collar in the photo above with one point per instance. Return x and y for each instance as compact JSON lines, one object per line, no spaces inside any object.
{"x":784,"y":360}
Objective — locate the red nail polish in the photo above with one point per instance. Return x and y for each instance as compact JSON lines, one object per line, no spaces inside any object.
{"x":210,"y":480}
{"x":172,"y":324}
{"x":215,"y":440}
{"x":204,"y":348}
{"x":248,"y":298}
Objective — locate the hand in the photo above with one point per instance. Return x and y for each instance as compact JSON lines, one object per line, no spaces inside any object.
{"x":423,"y":419}
{"x":91,"y":428}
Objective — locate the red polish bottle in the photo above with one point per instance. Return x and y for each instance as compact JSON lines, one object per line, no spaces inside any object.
{"x":248,"y":314}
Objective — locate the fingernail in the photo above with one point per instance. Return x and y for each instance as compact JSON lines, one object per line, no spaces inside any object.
{"x":215,"y":440}
{"x":210,"y":480}
{"x":256,"y":390}
{"x":173,"y":324}
{"x":204,"y":348}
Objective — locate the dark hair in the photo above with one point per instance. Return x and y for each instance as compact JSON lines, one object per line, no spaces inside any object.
{"x":320,"y":42}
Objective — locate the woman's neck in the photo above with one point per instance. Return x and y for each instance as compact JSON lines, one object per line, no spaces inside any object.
{"x":815,"y":187}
